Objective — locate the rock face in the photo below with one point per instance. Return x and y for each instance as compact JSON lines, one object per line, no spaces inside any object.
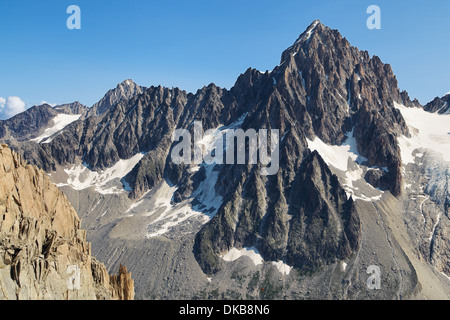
{"x":72,"y":108}
{"x":26,"y":125}
{"x":43,"y":252}
{"x":30,"y":123}
{"x":323,"y":91}
{"x":323,"y":88}
{"x":322,"y":84}
{"x":439,"y":105}
{"x":124,"y":91}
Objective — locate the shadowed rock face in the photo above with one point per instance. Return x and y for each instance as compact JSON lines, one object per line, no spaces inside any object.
{"x":26,"y":125}
{"x":439,"y":105}
{"x":310,"y":224}
{"x":41,"y":243}
{"x":323,"y":88}
{"x":30,"y":123}
{"x":124,"y":91}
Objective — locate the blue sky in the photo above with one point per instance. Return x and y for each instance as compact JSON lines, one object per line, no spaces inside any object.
{"x":189,"y":44}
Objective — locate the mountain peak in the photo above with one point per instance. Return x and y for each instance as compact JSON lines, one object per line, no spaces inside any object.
{"x":127,"y":82}
{"x":124,"y":90}
{"x":315,"y":26}
{"x":314,"y":35}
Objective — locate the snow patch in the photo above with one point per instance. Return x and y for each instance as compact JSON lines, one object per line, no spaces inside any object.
{"x":204,"y":202}
{"x":234,"y":254}
{"x":340,"y":157}
{"x":308,"y":32}
{"x":282,"y":267}
{"x":172,"y":214}
{"x":253,"y":253}
{"x":59,"y":123}
{"x":81,"y":177}
{"x":337,"y":156}
{"x":448,"y":278}
{"x":428,"y":131}
{"x":438,"y":219}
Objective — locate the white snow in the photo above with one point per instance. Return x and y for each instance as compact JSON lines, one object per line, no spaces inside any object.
{"x":340,"y":157}
{"x":428,"y":131}
{"x":363,"y":197}
{"x":59,"y":123}
{"x":253,"y":253}
{"x":282,"y":267}
{"x":234,"y":254}
{"x":171,"y":215}
{"x":81,"y":177}
{"x":352,"y":176}
{"x":438,"y":219}
{"x":309,"y":32}
{"x":337,"y":156}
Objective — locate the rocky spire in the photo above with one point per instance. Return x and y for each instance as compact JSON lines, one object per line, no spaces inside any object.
{"x":124,"y":90}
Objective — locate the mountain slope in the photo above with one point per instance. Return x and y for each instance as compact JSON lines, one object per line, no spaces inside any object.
{"x":342,"y":156}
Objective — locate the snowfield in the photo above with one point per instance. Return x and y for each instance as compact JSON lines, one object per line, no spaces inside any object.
{"x":234,"y":254}
{"x":337,"y":156}
{"x":80,"y":177}
{"x":346,"y":159}
{"x":59,"y":122}
{"x":428,"y":131}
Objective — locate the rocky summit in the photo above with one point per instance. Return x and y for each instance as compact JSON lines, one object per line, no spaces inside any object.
{"x":361,"y":182}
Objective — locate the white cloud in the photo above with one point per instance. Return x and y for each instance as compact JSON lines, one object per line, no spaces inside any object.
{"x":11,"y":106}
{"x":50,"y":104}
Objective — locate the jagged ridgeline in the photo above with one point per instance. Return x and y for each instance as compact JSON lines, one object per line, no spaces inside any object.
{"x":323,"y":89}
{"x":43,"y":252}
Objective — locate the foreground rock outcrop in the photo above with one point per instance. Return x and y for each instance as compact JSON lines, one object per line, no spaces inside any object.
{"x":43,"y":252}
